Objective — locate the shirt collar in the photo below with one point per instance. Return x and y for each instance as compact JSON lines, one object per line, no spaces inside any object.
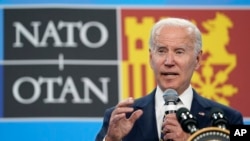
{"x":159,"y":101}
{"x":186,"y":97}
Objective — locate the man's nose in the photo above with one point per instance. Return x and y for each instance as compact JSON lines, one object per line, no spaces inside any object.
{"x":169,"y":59}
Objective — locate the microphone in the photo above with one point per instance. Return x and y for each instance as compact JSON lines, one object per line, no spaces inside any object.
{"x":187,"y":120}
{"x":218,"y":118}
{"x":170,"y":97}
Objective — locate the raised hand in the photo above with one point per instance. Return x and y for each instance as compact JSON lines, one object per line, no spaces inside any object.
{"x":119,"y":124}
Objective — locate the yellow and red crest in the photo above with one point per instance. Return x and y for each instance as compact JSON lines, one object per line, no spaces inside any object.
{"x":223,"y":74}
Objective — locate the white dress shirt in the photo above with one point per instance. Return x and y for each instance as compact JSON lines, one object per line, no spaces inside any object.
{"x":186,"y":100}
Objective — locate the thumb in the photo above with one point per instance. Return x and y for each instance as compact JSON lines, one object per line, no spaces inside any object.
{"x":136,"y":114}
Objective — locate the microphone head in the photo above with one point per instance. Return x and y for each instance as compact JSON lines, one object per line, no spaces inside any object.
{"x":187,"y":120}
{"x":218,"y":118}
{"x":181,"y":111}
{"x":170,"y":95}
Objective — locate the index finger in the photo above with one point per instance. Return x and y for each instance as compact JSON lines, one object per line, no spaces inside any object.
{"x":126,"y":102}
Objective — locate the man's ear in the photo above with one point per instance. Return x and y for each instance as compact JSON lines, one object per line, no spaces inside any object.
{"x":198,"y":60}
{"x":150,"y":57}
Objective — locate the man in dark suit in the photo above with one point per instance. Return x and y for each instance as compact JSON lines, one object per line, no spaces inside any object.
{"x":175,"y":53}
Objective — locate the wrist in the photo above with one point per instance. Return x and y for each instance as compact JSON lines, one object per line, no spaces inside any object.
{"x":108,"y":138}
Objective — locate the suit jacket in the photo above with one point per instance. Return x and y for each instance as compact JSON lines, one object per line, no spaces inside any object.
{"x":145,"y":128}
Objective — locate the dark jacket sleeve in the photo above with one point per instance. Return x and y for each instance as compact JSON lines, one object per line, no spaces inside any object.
{"x":234,"y":117}
{"x":103,"y":131}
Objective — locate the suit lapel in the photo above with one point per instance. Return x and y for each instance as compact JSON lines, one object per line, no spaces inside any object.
{"x":147,"y":122}
{"x":201,"y":110}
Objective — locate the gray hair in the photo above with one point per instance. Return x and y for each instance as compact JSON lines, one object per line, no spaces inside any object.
{"x":177,"y":22}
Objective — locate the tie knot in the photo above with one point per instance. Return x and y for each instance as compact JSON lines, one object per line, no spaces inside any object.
{"x":178,"y":100}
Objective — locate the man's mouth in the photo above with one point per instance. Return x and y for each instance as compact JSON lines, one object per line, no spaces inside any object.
{"x":169,"y":73}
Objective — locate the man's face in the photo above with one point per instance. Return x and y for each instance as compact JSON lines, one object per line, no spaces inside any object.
{"x":173,"y":58}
